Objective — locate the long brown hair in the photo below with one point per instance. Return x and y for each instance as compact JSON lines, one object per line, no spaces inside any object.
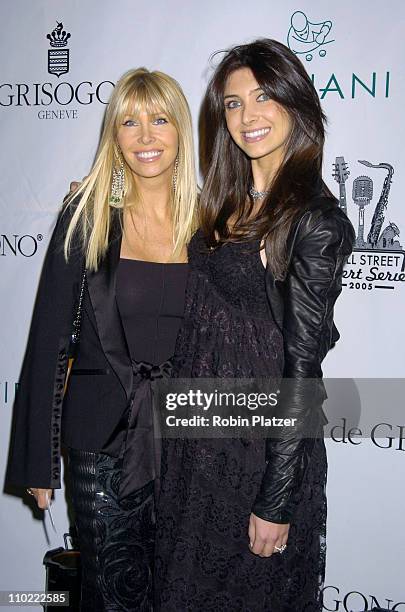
{"x":227,"y":169}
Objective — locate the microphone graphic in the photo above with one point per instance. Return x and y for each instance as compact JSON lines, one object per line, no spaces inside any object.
{"x":362,"y":195}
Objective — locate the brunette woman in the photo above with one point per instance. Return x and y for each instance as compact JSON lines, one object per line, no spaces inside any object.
{"x":241,"y":523}
{"x":127,"y":226}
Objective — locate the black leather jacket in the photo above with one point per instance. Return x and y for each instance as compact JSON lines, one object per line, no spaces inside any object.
{"x":302,"y":305}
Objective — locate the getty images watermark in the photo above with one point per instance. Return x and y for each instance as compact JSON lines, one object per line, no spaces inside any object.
{"x":346,"y":410}
{"x":216,"y":401}
{"x":217,"y":408}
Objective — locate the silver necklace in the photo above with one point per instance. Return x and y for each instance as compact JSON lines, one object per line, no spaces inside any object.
{"x":257,"y":195}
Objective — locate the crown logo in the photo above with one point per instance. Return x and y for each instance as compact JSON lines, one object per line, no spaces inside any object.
{"x":58,"y":55}
{"x":58,"y":37}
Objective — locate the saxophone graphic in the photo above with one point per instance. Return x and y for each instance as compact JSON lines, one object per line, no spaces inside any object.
{"x":378,"y":216}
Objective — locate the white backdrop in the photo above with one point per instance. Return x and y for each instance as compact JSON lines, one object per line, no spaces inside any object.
{"x":49,"y":131}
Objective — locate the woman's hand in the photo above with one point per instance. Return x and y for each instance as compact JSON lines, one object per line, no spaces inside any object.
{"x":42,"y":496}
{"x":264,"y":536}
{"x":74,"y":185}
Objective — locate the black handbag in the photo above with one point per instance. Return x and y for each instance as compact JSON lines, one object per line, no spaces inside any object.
{"x":63,"y":572}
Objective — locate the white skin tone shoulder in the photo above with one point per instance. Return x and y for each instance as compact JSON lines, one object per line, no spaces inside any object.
{"x":149,"y":146}
{"x":261,"y":128}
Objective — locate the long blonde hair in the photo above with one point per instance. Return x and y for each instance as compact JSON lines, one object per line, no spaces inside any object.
{"x":136,"y":89}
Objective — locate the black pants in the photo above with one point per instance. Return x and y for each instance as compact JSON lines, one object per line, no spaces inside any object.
{"x":116,"y":538}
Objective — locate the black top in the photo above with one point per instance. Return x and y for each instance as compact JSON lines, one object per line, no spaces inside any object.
{"x":150,"y":299}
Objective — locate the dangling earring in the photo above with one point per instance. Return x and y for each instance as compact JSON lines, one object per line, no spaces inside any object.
{"x":118,"y":181}
{"x":175,"y":172}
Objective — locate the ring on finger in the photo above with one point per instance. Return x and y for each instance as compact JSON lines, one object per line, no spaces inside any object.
{"x":280,"y":549}
{"x":30,"y":492}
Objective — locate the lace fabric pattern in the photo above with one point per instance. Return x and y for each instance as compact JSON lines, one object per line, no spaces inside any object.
{"x":203,"y":561}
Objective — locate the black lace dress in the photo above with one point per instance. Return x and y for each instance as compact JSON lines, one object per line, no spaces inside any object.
{"x":203,"y":561}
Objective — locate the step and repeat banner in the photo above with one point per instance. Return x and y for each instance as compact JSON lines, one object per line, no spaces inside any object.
{"x":60,"y":60}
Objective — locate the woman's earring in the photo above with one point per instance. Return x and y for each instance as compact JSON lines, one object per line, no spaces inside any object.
{"x":118,"y":182}
{"x":175,"y":172}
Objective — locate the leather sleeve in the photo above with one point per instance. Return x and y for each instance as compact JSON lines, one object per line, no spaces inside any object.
{"x":311,"y":287}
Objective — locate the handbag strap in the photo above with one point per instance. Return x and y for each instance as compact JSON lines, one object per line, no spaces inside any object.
{"x":75,"y":337}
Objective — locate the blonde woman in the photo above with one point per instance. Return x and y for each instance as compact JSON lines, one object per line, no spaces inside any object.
{"x":116,"y":265}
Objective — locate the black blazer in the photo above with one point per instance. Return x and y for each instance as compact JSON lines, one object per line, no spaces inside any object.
{"x":101,"y":381}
